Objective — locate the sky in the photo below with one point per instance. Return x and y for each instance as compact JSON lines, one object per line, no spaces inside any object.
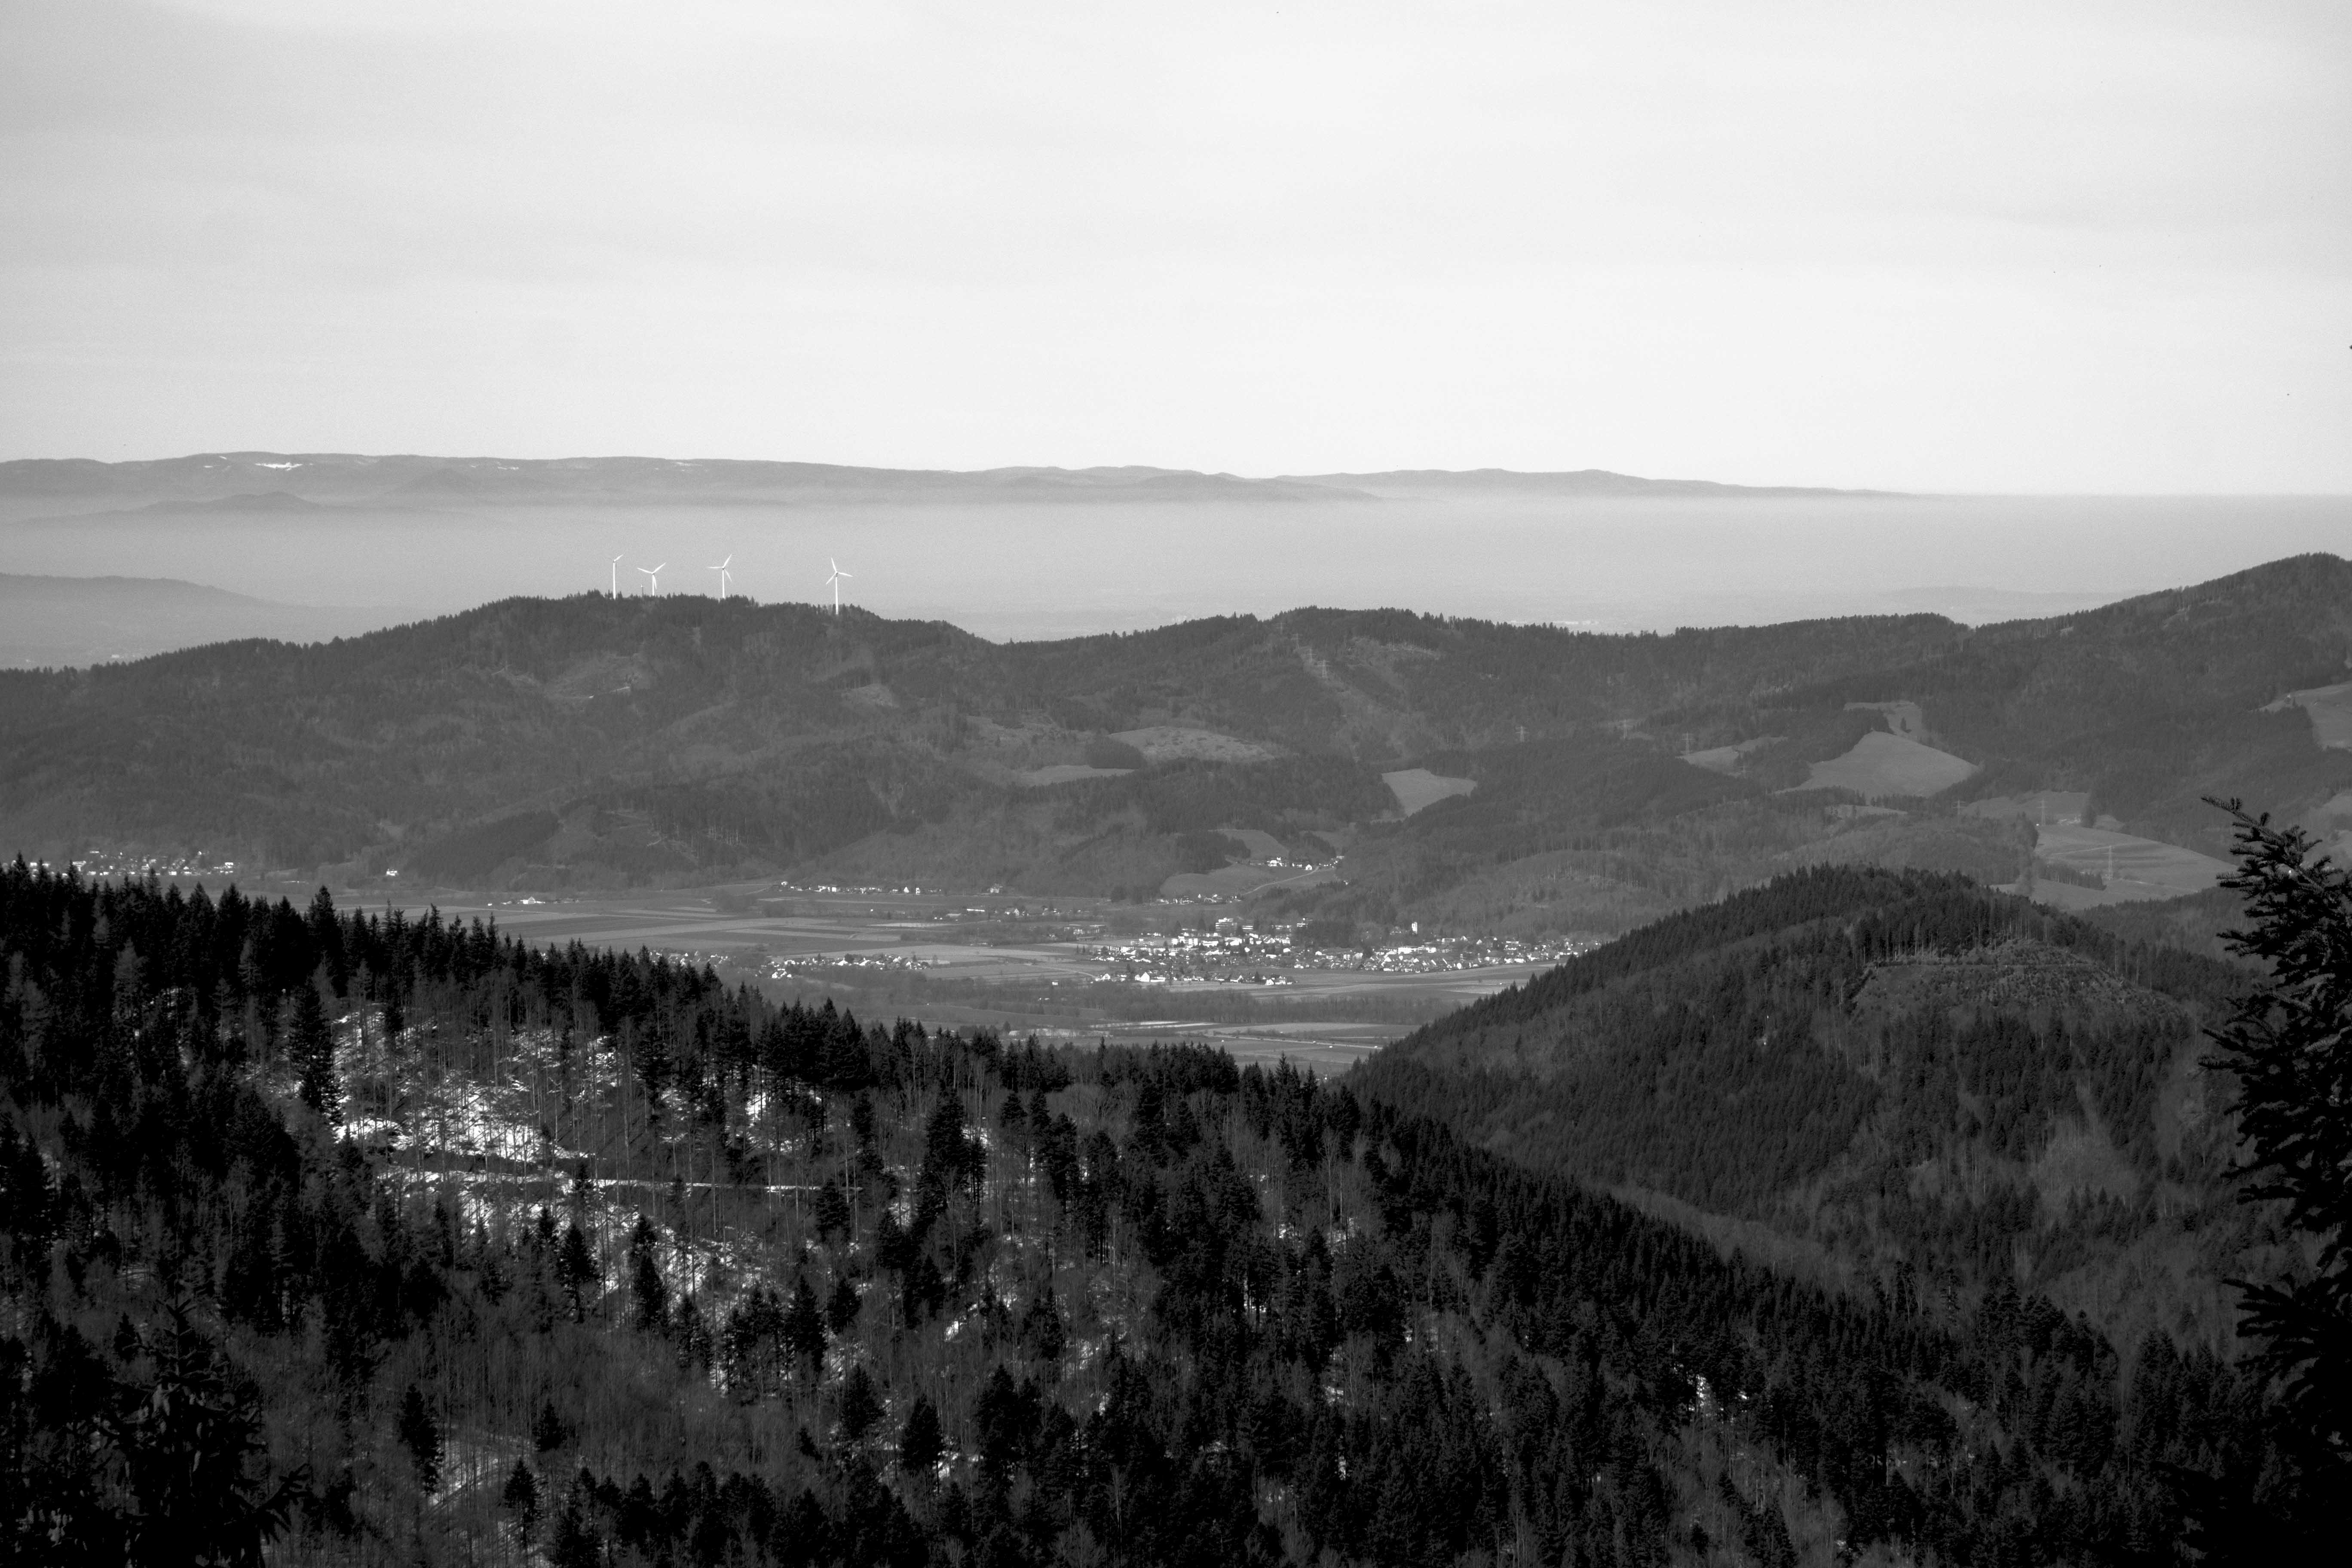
{"x":2044,"y":248}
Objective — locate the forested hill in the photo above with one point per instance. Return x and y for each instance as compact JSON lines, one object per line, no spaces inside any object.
{"x":654,"y":736}
{"x":1905,"y":1077}
{"x":594,"y":742}
{"x":406,"y":1242}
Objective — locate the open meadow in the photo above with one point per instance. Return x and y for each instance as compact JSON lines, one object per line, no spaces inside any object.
{"x":1020,"y":965}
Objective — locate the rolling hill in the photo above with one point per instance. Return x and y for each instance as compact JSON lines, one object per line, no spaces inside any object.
{"x":591,"y":741}
{"x":1894,"y":1078}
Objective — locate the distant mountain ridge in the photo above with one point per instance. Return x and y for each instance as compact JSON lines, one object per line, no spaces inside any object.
{"x":51,"y":622}
{"x":221,"y":478}
{"x":1573,"y":482}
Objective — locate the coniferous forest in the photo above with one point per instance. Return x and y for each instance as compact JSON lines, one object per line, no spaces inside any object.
{"x":342,"y":1238}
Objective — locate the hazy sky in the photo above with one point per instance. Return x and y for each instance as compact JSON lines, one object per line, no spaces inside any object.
{"x":1974,"y":246}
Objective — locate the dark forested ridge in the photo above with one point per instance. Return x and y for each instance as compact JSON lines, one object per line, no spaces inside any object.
{"x":595,"y":742}
{"x":1907,"y":1074}
{"x":409,"y":1243}
{"x":672,"y":735}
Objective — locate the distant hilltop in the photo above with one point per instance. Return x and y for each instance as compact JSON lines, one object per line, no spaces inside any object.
{"x":1575,"y":482}
{"x":282,"y":481}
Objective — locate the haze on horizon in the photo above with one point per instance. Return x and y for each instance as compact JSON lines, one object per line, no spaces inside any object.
{"x":2020,"y":248}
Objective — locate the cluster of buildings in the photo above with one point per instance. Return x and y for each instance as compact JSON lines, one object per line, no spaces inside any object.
{"x":1229,"y":951}
{"x":800,"y":967}
{"x":1454,"y":952}
{"x":131,"y":863}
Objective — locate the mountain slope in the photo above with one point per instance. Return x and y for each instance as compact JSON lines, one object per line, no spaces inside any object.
{"x":585,"y":1253}
{"x":1905,"y":1074}
{"x":710,"y":734}
{"x":2150,"y":703}
{"x":682,"y":738}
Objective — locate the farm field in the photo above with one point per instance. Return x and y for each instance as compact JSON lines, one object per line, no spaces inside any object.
{"x":1417,"y":789}
{"x":2330,"y":710}
{"x":1176,"y":742}
{"x":1065,"y":772}
{"x":2136,"y":868}
{"x":1882,"y":764}
{"x":2041,"y":807}
{"x":901,"y":933}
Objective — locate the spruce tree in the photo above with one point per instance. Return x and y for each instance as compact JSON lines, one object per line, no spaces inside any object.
{"x":841,"y":1307}
{"x":421,"y":1436}
{"x":804,"y":1325}
{"x":576,"y":1271}
{"x":861,"y":1407}
{"x":920,"y":1443}
{"x":832,"y":1211}
{"x":522,"y":1495}
{"x":549,"y":1431}
{"x":646,"y":1288}
{"x":312,"y":1046}
{"x":2290,"y":1043}
{"x":188,"y":1440}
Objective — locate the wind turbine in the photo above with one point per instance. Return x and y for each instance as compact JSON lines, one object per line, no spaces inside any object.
{"x":616,"y":575}
{"x":653,"y":579}
{"x":722,"y":570}
{"x":836,"y":582}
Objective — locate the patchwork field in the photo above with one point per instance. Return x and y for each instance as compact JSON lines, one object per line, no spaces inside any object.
{"x":934,"y":942}
{"x":1175,"y":742}
{"x":1882,"y":764}
{"x":2330,"y":710}
{"x":2136,"y":868}
{"x":1257,"y":843}
{"x":2331,"y":823}
{"x":2041,"y":808}
{"x":1417,"y":789}
{"x":1067,"y":772}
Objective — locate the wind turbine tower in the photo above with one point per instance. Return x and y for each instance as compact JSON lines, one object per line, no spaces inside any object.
{"x":836,"y":580}
{"x":653,"y":579}
{"x":723,"y":578}
{"x":616,"y":576}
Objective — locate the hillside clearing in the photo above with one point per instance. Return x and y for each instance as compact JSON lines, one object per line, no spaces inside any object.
{"x":2330,"y":709}
{"x":1882,"y":764}
{"x":1726,"y":759}
{"x":1065,"y":772}
{"x":2136,"y":868}
{"x":1417,"y":789}
{"x":1176,"y":743}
